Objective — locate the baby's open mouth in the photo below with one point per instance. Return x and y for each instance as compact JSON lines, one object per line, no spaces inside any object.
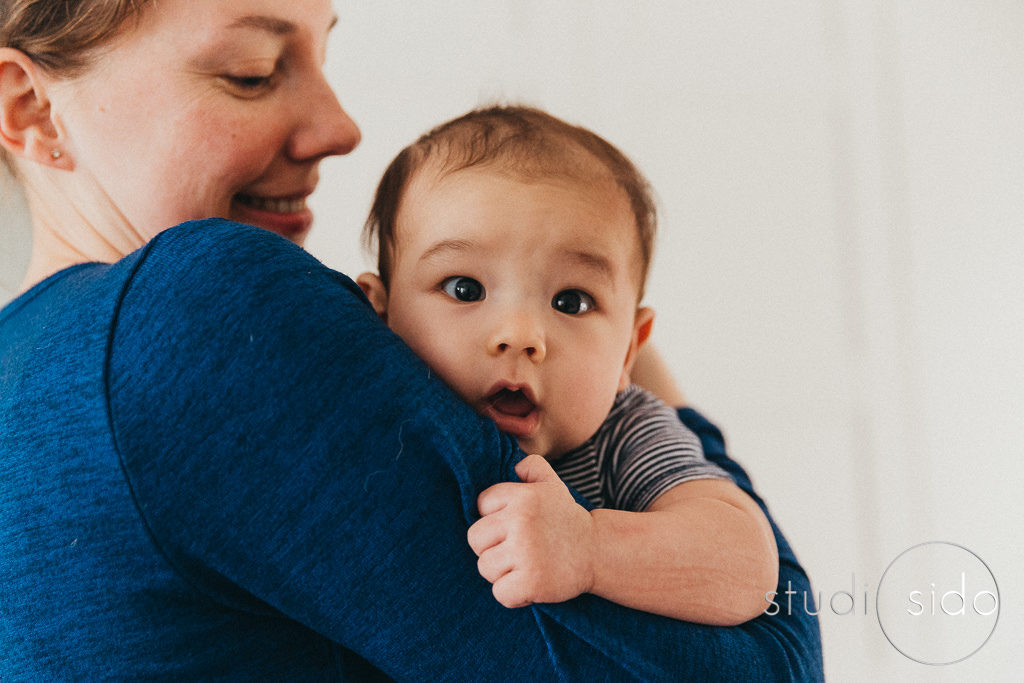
{"x":511,"y":402}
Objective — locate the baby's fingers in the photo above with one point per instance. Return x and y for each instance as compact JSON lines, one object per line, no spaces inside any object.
{"x":512,"y":590}
{"x":485,"y":533}
{"x":494,"y":498}
{"x":494,"y":564}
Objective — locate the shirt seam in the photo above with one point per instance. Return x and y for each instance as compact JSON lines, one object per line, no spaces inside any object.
{"x":112,"y":428}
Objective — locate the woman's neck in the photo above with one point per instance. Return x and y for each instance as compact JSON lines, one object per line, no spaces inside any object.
{"x":64,"y":235}
{"x":50,"y":255}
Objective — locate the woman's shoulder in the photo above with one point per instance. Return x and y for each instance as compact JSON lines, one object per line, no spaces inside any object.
{"x":220,"y":263}
{"x":211,"y":244}
{"x":199,"y":290}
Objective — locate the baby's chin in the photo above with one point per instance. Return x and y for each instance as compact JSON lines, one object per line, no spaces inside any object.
{"x":538,"y":445}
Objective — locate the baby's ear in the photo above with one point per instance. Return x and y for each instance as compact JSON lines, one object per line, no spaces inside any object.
{"x":642,"y":325}
{"x":374,"y":289}
{"x":643,"y":322}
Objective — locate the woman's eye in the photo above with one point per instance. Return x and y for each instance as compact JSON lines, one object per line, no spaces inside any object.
{"x":250,"y":83}
{"x":573,"y":302}
{"x":463,"y":288}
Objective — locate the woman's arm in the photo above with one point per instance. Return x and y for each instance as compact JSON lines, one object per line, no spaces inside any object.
{"x":291,"y":456}
{"x":783,"y":649}
{"x":652,"y":373}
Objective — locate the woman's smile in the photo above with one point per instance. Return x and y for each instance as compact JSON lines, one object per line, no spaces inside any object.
{"x":289,"y":217}
{"x":271,"y":204}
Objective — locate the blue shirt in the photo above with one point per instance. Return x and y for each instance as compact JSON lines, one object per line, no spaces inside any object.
{"x":216,"y":462}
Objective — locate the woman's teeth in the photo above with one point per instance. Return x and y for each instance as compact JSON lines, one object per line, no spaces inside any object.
{"x":273,"y":205}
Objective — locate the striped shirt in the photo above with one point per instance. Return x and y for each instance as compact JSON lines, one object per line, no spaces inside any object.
{"x":639,"y":452}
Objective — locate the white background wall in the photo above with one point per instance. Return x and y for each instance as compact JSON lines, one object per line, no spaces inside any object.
{"x":838,"y":277}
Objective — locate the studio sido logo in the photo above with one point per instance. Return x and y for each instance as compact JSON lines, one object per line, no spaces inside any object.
{"x":937,"y":603}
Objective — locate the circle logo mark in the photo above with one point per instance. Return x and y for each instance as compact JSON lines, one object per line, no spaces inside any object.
{"x":937,"y":603}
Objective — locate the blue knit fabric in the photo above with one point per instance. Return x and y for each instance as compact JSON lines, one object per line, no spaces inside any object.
{"x":216,"y":462}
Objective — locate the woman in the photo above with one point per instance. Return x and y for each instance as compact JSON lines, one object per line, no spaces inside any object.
{"x":214,"y":460}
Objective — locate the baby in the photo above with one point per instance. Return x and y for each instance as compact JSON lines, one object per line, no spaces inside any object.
{"x":512,"y":254}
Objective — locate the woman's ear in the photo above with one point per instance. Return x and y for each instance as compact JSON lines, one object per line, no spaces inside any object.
{"x":374,"y":289}
{"x":643,"y":322}
{"x":27,"y":128}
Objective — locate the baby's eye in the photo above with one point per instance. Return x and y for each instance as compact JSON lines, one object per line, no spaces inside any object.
{"x":463,"y":288}
{"x":573,"y":302}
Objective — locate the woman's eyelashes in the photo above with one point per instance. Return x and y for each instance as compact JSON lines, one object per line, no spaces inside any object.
{"x":251,"y":85}
{"x":462,"y":288}
{"x":573,"y":302}
{"x":249,"y":82}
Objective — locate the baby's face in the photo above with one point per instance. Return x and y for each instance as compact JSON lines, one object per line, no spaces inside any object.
{"x":522,"y":296}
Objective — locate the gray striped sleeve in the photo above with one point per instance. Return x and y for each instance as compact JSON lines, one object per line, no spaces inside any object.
{"x":649,"y":451}
{"x":639,"y":452}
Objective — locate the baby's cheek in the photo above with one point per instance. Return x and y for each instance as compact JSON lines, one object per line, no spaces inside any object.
{"x":590,"y":410}
{"x":453,"y":369}
{"x":428,"y":343}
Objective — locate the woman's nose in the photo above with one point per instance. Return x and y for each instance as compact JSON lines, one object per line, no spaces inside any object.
{"x":325,"y":128}
{"x":518,"y":334}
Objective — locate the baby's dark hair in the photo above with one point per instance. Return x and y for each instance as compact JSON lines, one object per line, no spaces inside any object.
{"x":523,"y":142}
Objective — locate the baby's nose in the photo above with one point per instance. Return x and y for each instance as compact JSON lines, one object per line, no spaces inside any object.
{"x":519,"y":334}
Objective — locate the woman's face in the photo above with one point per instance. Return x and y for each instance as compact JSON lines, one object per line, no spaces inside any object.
{"x":207,"y":109}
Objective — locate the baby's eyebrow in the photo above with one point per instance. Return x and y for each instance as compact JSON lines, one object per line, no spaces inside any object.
{"x":440,"y":248}
{"x":595,"y":262}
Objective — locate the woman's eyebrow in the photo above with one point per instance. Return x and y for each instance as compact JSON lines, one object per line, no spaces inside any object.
{"x":278,"y":27}
{"x":261,"y":22}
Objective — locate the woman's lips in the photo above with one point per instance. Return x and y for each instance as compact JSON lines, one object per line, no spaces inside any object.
{"x":286,"y":216}
{"x":272,"y":204}
{"x":513,"y":411}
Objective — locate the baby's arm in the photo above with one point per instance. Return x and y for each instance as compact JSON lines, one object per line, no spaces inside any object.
{"x":676,"y":536}
{"x":702,"y":551}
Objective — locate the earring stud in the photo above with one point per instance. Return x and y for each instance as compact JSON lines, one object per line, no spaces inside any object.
{"x":55,"y":154}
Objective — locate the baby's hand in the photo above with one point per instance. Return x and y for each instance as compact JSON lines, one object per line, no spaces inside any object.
{"x":534,"y":541}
